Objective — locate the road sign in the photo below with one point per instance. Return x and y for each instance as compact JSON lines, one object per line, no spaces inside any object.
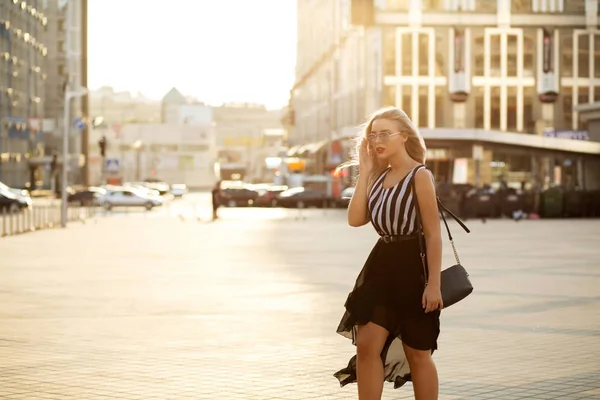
{"x":112,"y":165}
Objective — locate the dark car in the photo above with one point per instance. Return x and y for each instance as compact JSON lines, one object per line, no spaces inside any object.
{"x":300,"y":197}
{"x":89,"y":197}
{"x":268,"y":197}
{"x":9,"y":202}
{"x":237,"y":196}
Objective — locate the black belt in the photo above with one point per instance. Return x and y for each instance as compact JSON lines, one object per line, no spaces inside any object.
{"x":396,"y":238}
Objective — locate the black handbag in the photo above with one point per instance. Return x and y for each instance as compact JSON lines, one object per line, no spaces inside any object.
{"x":455,"y":284}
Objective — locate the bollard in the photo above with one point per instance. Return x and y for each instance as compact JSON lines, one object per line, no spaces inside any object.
{"x":28,"y":219}
{"x":12,"y":223}
{"x":20,"y":221}
{"x":4,"y":223}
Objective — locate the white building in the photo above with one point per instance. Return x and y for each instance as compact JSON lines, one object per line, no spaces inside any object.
{"x":181,"y":149}
{"x":173,"y":153}
{"x":118,"y":108}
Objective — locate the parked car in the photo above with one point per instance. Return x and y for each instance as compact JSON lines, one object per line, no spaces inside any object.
{"x":267,"y":197}
{"x":178,"y":189}
{"x":22,"y":194}
{"x":143,"y":187}
{"x":300,"y":197}
{"x":155,"y":184}
{"x":237,"y":194}
{"x":11,"y":203}
{"x":345,"y":197}
{"x":92,"y":196}
{"x":130,"y":197}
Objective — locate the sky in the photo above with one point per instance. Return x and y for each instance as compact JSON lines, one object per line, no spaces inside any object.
{"x":215,"y":50}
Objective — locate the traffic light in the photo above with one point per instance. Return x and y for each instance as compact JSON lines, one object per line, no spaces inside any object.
{"x":102,"y":145}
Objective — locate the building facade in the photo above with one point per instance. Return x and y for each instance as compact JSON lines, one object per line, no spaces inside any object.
{"x":23,"y":72}
{"x":493,"y":85}
{"x":177,"y":145}
{"x":112,"y":109}
{"x":247,"y":134}
{"x":173,"y":153}
{"x":67,"y":71}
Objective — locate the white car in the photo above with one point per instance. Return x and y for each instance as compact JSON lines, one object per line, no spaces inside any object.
{"x":22,"y":195}
{"x":130,"y":197}
{"x":142,"y":188}
{"x":178,"y":189}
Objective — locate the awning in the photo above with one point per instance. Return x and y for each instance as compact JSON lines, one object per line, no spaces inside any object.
{"x":311,"y":148}
{"x":293,"y":151}
{"x":588,"y":112}
{"x":513,"y":139}
{"x":315,"y":147}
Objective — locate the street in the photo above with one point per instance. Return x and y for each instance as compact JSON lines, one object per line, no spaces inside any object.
{"x":165,"y":304}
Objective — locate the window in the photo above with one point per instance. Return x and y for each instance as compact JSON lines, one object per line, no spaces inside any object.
{"x":459,"y":5}
{"x":502,"y":78}
{"x":520,"y":6}
{"x":547,"y":6}
{"x":579,"y":84}
{"x":487,"y":6}
{"x":398,"y":5}
{"x":566,"y":54}
{"x":528,"y":64}
{"x":478,"y":51}
{"x":389,"y":51}
{"x":415,"y":77}
{"x":432,"y":5}
{"x":574,"y":6}
{"x":583,"y":54}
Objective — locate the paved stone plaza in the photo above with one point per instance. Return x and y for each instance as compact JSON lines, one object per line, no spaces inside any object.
{"x":151,"y":306}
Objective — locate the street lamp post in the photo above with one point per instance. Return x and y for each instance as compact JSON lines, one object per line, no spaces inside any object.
{"x":65,"y":151}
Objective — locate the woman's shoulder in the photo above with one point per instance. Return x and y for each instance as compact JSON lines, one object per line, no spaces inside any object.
{"x":423,"y":175}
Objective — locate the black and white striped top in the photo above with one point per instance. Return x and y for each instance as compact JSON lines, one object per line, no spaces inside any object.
{"x":392,"y":210}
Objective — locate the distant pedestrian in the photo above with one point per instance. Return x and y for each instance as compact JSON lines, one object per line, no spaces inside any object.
{"x":216,"y":199}
{"x":392,"y":314}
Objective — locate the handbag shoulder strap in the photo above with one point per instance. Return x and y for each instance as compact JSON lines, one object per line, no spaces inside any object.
{"x":441,"y":211}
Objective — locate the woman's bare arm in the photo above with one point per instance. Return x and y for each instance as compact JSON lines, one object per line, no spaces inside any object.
{"x":430,"y":218}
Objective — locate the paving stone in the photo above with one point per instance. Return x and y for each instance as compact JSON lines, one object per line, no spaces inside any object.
{"x":142,"y":306}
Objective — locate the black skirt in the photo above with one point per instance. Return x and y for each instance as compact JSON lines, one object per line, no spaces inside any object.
{"x":388,"y":292}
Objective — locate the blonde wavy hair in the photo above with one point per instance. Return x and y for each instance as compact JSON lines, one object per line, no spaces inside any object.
{"x":415,"y":145}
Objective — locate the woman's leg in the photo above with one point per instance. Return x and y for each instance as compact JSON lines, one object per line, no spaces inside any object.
{"x":423,"y":373}
{"x":369,"y":366}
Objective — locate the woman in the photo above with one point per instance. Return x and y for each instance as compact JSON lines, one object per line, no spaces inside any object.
{"x":392,"y":314}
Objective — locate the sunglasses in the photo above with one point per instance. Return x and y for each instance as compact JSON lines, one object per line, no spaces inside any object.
{"x":382,"y":137}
